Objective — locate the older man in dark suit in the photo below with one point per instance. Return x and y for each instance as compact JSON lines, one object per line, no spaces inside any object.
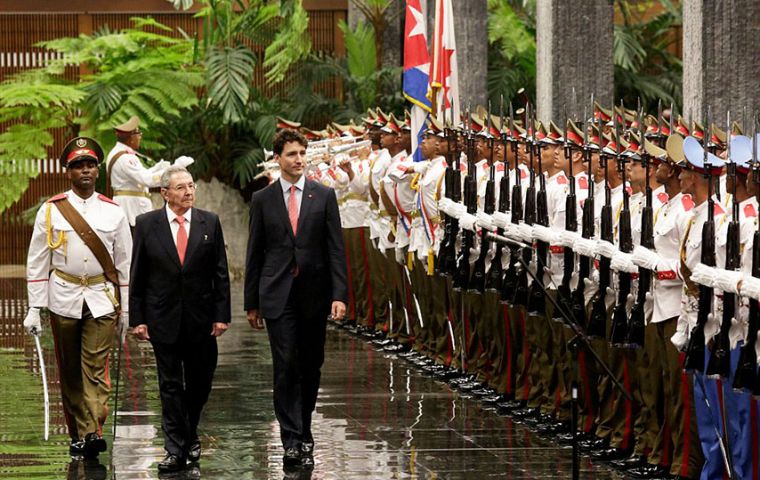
{"x":295,"y":277}
{"x":180,"y":301}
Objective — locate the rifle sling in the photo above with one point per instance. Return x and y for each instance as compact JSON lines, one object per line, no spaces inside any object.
{"x":91,"y":239}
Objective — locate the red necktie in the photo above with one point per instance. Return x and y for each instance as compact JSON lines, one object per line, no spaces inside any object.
{"x":293,"y":209}
{"x":181,"y":239}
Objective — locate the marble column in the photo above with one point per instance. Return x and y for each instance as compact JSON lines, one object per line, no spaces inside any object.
{"x":573,"y":50}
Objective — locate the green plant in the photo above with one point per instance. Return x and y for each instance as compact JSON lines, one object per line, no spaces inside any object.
{"x":512,"y":48}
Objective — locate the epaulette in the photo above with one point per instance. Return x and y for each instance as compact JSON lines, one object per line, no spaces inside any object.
{"x":687,"y":202}
{"x":663,"y":197}
{"x":562,"y":180}
{"x":56,"y":198}
{"x":629,"y":190}
{"x":749,"y":211}
{"x":499,"y":167}
{"x":523,"y":174}
{"x":583,"y":183}
{"x":106,"y":199}
{"x":718,"y":209}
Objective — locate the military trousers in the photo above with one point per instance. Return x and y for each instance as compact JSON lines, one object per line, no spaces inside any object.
{"x":82,"y":348}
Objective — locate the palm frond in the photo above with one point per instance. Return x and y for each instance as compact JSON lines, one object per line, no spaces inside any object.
{"x":229,"y":71}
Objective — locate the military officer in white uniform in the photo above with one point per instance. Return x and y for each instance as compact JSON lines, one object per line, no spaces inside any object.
{"x":78,"y":269}
{"x":130,"y":179}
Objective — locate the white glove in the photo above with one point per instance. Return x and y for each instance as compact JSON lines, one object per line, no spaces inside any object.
{"x":704,"y":275}
{"x":737,"y":332}
{"x":474,"y":255}
{"x":567,"y":238}
{"x":605,"y":248}
{"x":183,"y":161}
{"x":525,"y":232}
{"x":750,"y":287}
{"x":584,"y":246}
{"x":621,"y":262}
{"x":421,"y":167}
{"x":681,"y":337}
{"x":645,"y":258}
{"x":467,"y":222}
{"x":712,"y":327}
{"x":757,"y":346}
{"x":32,"y":322}
{"x":500,"y":219}
{"x":123,"y":325}
{"x":445,"y":205}
{"x":545,"y":234}
{"x":485,"y":221}
{"x":457,"y":210}
{"x":511,"y":231}
{"x":728,"y":280}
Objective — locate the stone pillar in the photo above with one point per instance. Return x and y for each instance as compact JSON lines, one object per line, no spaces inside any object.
{"x":471,"y":30}
{"x":573,"y":49}
{"x":721,"y":62}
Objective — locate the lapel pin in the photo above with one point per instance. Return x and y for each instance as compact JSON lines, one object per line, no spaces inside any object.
{"x":310,"y":195}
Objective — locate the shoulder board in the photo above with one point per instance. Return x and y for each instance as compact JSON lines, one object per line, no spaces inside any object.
{"x":687,"y":202}
{"x":719,"y":210}
{"x":562,"y":180}
{"x":749,"y":210}
{"x":57,"y":198}
{"x":462,"y":167}
{"x":500,"y":167}
{"x":106,"y":199}
{"x":523,"y":174}
{"x":583,"y":183}
{"x":629,"y":190}
{"x":663,"y":197}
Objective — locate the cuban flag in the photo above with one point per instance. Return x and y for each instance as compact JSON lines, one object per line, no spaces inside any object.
{"x":444,"y":79}
{"x":416,"y":68}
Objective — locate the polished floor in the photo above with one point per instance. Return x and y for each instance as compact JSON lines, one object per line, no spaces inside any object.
{"x":377,"y":418}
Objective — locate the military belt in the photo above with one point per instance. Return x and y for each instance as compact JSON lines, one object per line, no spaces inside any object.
{"x":130,"y":193}
{"x":84,"y":280}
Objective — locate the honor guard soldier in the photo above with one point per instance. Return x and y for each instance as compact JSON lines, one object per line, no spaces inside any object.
{"x":78,"y":268}
{"x":130,"y":179}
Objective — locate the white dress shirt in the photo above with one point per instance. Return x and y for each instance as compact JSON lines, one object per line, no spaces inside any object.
{"x":174,"y":226}
{"x":299,"y":191}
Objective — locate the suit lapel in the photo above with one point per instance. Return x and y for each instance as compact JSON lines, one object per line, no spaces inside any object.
{"x":197,"y":229}
{"x":164,"y":234}
{"x":306,"y":202}
{"x":282,"y":209}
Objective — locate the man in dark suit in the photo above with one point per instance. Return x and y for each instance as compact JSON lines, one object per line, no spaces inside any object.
{"x":180,"y":301}
{"x":295,"y":276}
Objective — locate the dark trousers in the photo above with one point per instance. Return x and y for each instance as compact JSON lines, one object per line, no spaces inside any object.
{"x":297,"y":340}
{"x":185,"y":372}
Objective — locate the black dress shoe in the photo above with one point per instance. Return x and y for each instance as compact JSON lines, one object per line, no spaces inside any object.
{"x":634,"y":461}
{"x":593,"y":444}
{"x":292,"y":457}
{"x":171,"y":463}
{"x":649,"y":471}
{"x":194,"y":451}
{"x":76,"y":448}
{"x":611,"y":453}
{"x":93,"y":445}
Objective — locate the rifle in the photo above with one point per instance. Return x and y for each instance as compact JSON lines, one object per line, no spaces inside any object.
{"x":746,"y":376}
{"x":695,"y":349}
{"x":462,"y":273}
{"x":478,"y":280}
{"x":510,"y":290}
{"x":638,"y":321}
{"x":529,"y":217}
{"x":587,"y":231}
{"x":619,"y":330}
{"x":720,"y":359}
{"x":496,"y":272}
{"x":597,"y":324}
{"x":571,"y":225}
{"x":537,"y":296}
{"x":446,"y":264}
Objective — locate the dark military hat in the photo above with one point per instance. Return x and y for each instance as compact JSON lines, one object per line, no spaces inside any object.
{"x":81,"y":148}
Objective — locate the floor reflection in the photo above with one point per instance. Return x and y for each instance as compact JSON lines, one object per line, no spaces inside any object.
{"x":377,"y":419}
